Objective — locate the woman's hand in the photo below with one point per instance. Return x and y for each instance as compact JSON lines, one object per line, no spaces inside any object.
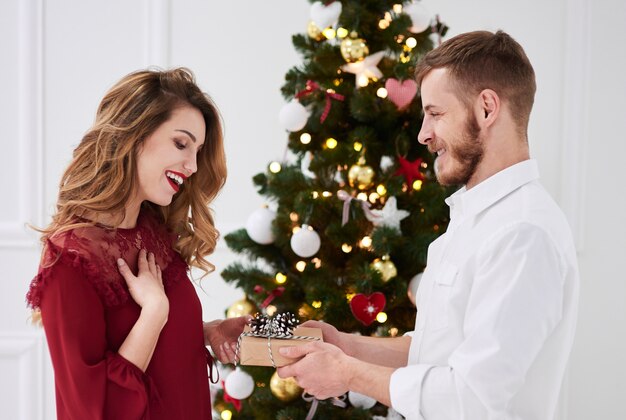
{"x":222,"y":335}
{"x":146,"y":288}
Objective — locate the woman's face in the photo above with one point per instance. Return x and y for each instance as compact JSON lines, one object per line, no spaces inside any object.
{"x":168,"y":156}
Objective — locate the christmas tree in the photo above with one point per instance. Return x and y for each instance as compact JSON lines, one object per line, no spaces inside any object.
{"x":351,"y":215}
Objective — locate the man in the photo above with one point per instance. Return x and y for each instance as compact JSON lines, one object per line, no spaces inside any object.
{"x":498,"y":300}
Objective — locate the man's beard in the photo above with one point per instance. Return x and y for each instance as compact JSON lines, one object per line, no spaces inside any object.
{"x":467,"y":153}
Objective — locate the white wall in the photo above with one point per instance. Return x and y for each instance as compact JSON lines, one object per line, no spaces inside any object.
{"x":60,"y":56}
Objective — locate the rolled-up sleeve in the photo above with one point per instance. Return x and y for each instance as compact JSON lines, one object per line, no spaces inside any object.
{"x":91,"y":382}
{"x":515,"y":303}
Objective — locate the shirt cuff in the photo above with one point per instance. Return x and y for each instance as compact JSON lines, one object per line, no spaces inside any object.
{"x":405,"y":390}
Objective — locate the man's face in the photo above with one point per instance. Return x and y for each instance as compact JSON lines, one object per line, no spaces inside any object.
{"x":450,"y":130}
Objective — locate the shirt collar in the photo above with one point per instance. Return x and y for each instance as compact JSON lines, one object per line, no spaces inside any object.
{"x":492,"y":189}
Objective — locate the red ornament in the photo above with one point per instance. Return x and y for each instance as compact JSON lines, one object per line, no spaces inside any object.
{"x":410,"y":170}
{"x":365,"y":308}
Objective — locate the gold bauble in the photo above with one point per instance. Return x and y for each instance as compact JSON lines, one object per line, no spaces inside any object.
{"x":385,"y":267}
{"x":242,"y":307}
{"x":285,"y":389}
{"x":314,"y":32}
{"x":361,"y":176}
{"x":353,"y":49}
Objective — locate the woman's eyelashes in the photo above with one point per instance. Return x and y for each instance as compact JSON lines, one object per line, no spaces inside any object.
{"x":180,"y":145}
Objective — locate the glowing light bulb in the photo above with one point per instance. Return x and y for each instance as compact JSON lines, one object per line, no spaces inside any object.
{"x":382,"y":92}
{"x":275,"y":167}
{"x":327,"y":194}
{"x":305,"y":138}
{"x":381,"y":317}
{"x":346,"y":248}
{"x":366,"y":242}
{"x":381,"y":190}
{"x":271,"y":310}
{"x":363,"y":80}
{"x":329,"y":33}
{"x":280,"y":278}
{"x":331,"y":143}
{"x":417,"y":184}
{"x":300,"y":266}
{"x":349,"y":296}
{"x":373,"y":197}
{"x":362,"y":196}
{"x":342,"y":33}
{"x":317,"y":262}
{"x":316,"y":304}
{"x":315,"y":194}
{"x":411,"y":42}
{"x":293,"y":216}
{"x":296,"y":229}
{"x":226,"y":415}
{"x":397,"y":8}
{"x":383,"y":24}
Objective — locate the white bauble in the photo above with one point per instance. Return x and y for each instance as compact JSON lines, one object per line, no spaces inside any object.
{"x":386,"y":162}
{"x":305,"y":242}
{"x":411,"y":289}
{"x":420,"y":17}
{"x":239,"y":384}
{"x":360,"y":400}
{"x":259,"y":226}
{"x":293,"y":116}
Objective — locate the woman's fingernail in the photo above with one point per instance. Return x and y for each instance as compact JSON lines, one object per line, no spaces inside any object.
{"x":120,"y":262}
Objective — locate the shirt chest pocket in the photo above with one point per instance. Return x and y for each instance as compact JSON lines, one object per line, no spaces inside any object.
{"x":440,"y":297}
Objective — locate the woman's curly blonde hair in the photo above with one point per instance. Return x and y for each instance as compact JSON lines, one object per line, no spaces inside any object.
{"x":101,"y":177}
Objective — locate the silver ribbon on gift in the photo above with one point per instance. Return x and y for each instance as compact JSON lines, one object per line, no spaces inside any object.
{"x":281,"y":326}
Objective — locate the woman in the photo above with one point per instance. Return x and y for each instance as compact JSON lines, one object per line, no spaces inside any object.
{"x":122,"y":320}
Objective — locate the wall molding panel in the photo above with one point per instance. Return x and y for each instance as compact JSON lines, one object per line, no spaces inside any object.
{"x":157,"y":33}
{"x":29,"y":182}
{"x":575,"y":114}
{"x":26,"y":352}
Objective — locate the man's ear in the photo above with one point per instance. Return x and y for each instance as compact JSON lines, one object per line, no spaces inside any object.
{"x":489,"y":105}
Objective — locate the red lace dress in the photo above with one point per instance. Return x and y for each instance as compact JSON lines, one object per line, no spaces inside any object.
{"x":87,"y":313}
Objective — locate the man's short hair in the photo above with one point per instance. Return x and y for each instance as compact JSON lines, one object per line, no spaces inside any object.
{"x":483,"y":60}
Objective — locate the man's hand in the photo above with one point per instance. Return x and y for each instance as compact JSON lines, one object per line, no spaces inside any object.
{"x":323,"y":372}
{"x":222,"y":335}
{"x":331,"y":335}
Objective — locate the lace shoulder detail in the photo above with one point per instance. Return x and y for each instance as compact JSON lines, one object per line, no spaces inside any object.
{"x":94,"y":251}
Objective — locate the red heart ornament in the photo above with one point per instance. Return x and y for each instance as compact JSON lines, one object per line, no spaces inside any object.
{"x":401,"y":93}
{"x":365,"y":308}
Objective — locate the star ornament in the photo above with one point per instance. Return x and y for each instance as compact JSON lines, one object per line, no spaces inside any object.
{"x":410,"y":170}
{"x":365,"y":69}
{"x":388,"y":216}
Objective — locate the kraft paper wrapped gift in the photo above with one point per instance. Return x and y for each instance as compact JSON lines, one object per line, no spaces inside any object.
{"x":254,"y":351}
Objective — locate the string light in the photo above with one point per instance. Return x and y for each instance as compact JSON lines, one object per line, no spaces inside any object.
{"x":366,"y":242}
{"x":349,"y":296}
{"x":329,"y":33}
{"x":362,"y":196}
{"x":397,"y":8}
{"x":373,"y":197}
{"x":296,"y":229}
{"x":342,"y":33}
{"x":300,"y":266}
{"x":362,"y":80}
{"x":358,"y":146}
{"x":317,"y":262}
{"x":381,"y":317}
{"x":280,"y":278}
{"x":331,"y":143}
{"x":226,"y":415}
{"x":316,"y":304}
{"x":393,"y":331}
{"x":305,"y":138}
{"x":411,"y":42}
{"x":382,"y":92}
{"x":346,"y":248}
{"x":293,"y":216}
{"x":271,"y":310}
{"x":315,"y":194}
{"x":381,"y":190}
{"x":417,"y":184}
{"x":327,"y":194}
{"x":383,"y":24}
{"x":275,"y":167}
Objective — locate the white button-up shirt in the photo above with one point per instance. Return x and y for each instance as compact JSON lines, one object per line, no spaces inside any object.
{"x":496,"y":307}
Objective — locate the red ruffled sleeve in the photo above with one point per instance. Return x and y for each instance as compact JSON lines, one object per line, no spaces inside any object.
{"x":91,"y":382}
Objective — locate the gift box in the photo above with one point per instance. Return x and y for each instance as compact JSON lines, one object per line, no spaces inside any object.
{"x":255,"y":351}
